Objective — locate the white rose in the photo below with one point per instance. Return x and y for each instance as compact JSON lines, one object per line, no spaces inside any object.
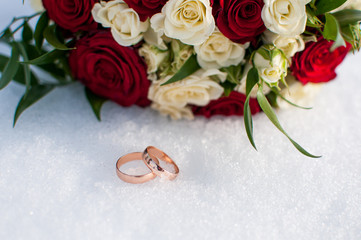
{"x":126,"y":27}
{"x":297,"y":93}
{"x":285,"y":17}
{"x":174,"y":112}
{"x":153,"y":57}
{"x":242,"y":86}
{"x":289,"y":45}
{"x":155,"y":38}
{"x":197,"y":89}
{"x":37,"y":5}
{"x":190,"y":21}
{"x":271,"y":64}
{"x":218,"y":51}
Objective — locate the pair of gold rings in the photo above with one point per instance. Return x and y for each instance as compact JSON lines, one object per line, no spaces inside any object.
{"x":151,"y":157}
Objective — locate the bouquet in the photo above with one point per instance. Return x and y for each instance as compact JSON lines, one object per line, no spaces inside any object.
{"x":183,"y":58}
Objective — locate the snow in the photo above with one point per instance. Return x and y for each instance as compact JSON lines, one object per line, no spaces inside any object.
{"x":58,"y":180}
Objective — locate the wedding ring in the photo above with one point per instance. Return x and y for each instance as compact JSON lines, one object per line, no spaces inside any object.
{"x":151,"y":157}
{"x":133,"y":178}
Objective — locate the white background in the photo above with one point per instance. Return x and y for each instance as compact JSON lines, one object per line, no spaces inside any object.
{"x":58,"y":181}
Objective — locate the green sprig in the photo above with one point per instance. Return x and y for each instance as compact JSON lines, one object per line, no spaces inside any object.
{"x":29,"y":50}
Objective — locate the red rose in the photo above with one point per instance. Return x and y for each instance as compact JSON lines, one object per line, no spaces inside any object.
{"x":239,"y":20}
{"x":72,"y":15}
{"x":317,"y":63}
{"x":146,"y":8}
{"x":110,"y":70}
{"x":227,"y":106}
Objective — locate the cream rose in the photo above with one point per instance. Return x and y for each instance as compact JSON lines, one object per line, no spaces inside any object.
{"x":285,"y":17}
{"x":190,"y":21}
{"x":37,"y":5}
{"x":243,"y":82}
{"x":155,"y":38}
{"x":126,"y":27}
{"x":197,"y":89}
{"x":271,"y":64}
{"x":297,"y":93}
{"x":174,"y":113}
{"x":289,"y":45}
{"x":218,"y":51}
{"x":153,"y":57}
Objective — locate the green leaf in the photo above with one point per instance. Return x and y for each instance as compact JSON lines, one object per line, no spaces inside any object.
{"x":54,"y":71}
{"x":265,"y":52}
{"x":50,"y":35}
{"x":267,"y":109}
{"x":228,"y":87}
{"x":19,"y":76}
{"x":34,"y":94}
{"x":234,"y":73}
{"x":66,"y":68}
{"x":27,"y":33}
{"x":10,"y":69}
{"x":348,"y":16}
{"x":96,"y":102}
{"x":332,"y":32}
{"x":248,"y":122}
{"x":6,"y":35}
{"x":188,"y":68}
{"x":312,"y":20}
{"x":324,"y":6}
{"x":46,"y":58}
{"x":272,"y":98}
{"x":27,"y":72}
{"x":252,"y":80}
{"x":331,"y":27}
{"x":312,"y":4}
{"x":42,"y":24}
{"x":32,"y":51}
{"x":352,"y":34}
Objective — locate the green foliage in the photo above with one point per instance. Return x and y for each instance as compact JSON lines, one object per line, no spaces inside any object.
{"x":30,"y":49}
{"x":324,"y":6}
{"x":234,"y":73}
{"x":349,"y":22}
{"x":267,"y":109}
{"x":228,"y":87}
{"x":252,"y":80}
{"x":51,"y":34}
{"x":352,"y":34}
{"x":10,"y":69}
{"x":272,"y":99}
{"x":347,"y":17}
{"x":188,"y":68}
{"x":332,"y":31}
{"x":42,"y":24}
{"x":27,"y":71}
{"x":34,"y":94}
{"x":19,"y":76}
{"x":340,"y":26}
{"x":96,"y":102}
{"x":27,"y":33}
{"x":47,"y":58}
{"x":312,"y":20}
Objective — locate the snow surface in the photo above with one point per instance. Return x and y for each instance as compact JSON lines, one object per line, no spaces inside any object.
{"x":58,"y":181}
